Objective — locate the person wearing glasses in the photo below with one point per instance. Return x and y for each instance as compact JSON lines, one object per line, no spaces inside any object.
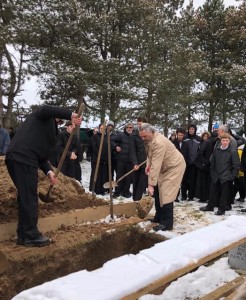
{"x":124,"y":164}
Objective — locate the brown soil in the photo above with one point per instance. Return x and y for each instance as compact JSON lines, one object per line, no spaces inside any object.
{"x":73,"y":248}
{"x":67,"y":195}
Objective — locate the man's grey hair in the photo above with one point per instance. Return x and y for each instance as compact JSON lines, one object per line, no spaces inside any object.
{"x":224,"y":128}
{"x":147,"y":127}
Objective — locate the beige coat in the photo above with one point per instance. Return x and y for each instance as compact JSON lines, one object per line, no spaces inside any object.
{"x":167,"y":167}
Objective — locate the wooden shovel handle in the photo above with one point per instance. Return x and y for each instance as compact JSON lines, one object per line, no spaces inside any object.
{"x":81,"y":109}
{"x":98,"y":158}
{"x":142,"y":163}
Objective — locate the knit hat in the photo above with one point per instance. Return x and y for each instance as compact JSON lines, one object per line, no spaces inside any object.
{"x":216,"y":126}
{"x":111,"y":123}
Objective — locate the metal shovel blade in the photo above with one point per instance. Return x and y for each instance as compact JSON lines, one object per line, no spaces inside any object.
{"x":45,"y":197}
{"x":107,"y":184}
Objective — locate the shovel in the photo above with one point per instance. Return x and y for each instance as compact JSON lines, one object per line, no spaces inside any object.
{"x":98,"y":160}
{"x":46,"y":198}
{"x":115,"y":183}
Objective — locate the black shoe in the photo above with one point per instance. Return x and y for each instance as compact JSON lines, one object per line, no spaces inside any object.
{"x":115,"y":195}
{"x":162,"y":227}
{"x":240,"y":199}
{"x":176,"y":200}
{"x":183,"y":198}
{"x":127,"y":195}
{"x":206,"y":208}
{"x":228,"y":207}
{"x":219,"y":213}
{"x":243,"y":210}
{"x":154,"y":220}
{"x":40,"y":241}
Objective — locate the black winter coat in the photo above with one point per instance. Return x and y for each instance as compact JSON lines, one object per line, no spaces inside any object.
{"x":225,"y":165}
{"x":61,"y":144}
{"x":123,"y":141}
{"x":95,"y":144}
{"x":36,"y":137}
{"x":184,"y":149}
{"x":204,"y":153}
{"x":137,"y":149}
{"x":194,"y":144}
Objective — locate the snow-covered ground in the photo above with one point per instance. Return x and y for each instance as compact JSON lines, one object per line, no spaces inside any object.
{"x":192,"y":286}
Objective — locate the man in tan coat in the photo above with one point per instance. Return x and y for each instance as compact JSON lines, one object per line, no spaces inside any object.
{"x":165,"y":169}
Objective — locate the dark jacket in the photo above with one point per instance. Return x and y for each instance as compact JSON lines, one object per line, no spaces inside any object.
{"x":95,"y":144}
{"x":123,"y":141}
{"x":194,"y":142}
{"x":36,"y":137}
{"x":137,"y":149}
{"x":183,"y":149}
{"x":225,"y":165}
{"x":243,"y":160}
{"x":4,"y":141}
{"x":204,"y":153}
{"x":62,"y":142}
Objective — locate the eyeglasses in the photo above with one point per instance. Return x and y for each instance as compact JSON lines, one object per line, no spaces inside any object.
{"x":129,"y":127}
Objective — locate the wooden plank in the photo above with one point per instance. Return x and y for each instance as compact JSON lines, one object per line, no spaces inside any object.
{"x":224,"y":290}
{"x":89,"y":214}
{"x":178,"y":273}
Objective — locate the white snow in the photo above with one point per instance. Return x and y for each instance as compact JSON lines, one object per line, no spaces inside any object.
{"x":190,"y":240}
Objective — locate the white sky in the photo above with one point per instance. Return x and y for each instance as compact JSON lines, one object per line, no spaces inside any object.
{"x":123,"y":275}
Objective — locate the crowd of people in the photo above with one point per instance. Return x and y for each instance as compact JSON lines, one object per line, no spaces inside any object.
{"x":210,"y":168}
{"x":215,"y":167}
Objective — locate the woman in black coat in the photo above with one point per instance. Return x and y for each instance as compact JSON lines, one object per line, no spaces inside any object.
{"x":102,"y":175}
{"x":203,"y":168}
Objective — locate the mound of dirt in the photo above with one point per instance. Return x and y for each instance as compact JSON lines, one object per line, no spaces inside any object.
{"x":67,"y":195}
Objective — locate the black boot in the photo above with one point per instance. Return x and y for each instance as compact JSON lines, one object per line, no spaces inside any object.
{"x":158,"y":211}
{"x":166,"y":222}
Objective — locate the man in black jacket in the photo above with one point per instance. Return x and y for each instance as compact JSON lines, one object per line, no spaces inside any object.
{"x":189,"y":179}
{"x":137,"y":156}
{"x":183,"y":148}
{"x":68,"y":167}
{"x":124,"y":164}
{"x":28,"y":151}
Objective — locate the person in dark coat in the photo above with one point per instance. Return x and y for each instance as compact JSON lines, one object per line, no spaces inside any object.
{"x":225,"y":164}
{"x":124,"y":163}
{"x":4,"y":141}
{"x":137,"y":156}
{"x":243,"y":169}
{"x":77,"y":161}
{"x":68,"y":166}
{"x":102,"y":175}
{"x":189,"y":180}
{"x":183,"y":148}
{"x":113,"y":137}
{"x":203,"y":168}
{"x":28,"y":151}
{"x":11,"y":132}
